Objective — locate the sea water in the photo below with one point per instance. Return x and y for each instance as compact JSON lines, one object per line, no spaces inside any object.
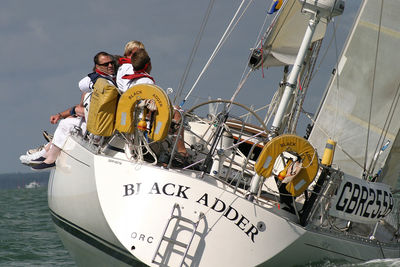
{"x":28,"y":237}
{"x":27,"y":234}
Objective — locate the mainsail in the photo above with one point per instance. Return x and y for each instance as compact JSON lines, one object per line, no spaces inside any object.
{"x":282,"y":41}
{"x":361,"y":110}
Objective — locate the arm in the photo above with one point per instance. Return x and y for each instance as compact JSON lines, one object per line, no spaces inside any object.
{"x":85,"y":86}
{"x":60,"y":115}
{"x":77,"y":110}
{"x":80,"y":109}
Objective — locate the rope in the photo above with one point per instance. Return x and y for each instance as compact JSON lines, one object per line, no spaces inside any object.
{"x":337,"y":144}
{"x":233,"y":146}
{"x":337,"y":84}
{"x":312,"y":159}
{"x":244,"y":78}
{"x":194,"y":50}
{"x":256,"y":110}
{"x":224,"y":37}
{"x":373,"y":86}
{"x":333,"y":38}
{"x":385,"y":129}
{"x":239,"y":88}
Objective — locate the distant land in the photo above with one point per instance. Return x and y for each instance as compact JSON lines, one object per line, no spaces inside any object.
{"x":19,"y":180}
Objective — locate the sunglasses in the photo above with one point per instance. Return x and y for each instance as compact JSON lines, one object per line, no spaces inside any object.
{"x":106,"y":64}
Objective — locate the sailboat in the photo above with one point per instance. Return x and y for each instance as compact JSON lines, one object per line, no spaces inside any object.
{"x":32,"y":184}
{"x":253,"y":193}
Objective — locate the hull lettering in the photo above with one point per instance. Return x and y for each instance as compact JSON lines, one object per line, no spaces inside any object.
{"x":232,"y":215}
{"x":142,"y":237}
{"x":130,"y":189}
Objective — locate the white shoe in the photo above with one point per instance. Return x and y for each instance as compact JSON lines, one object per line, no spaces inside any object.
{"x":34,"y":150}
{"x":26,"y":159}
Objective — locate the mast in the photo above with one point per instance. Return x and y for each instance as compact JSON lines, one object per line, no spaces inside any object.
{"x":304,"y":79}
{"x":321,"y":9}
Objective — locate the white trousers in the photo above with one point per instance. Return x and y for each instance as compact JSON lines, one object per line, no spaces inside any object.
{"x":64,"y":129}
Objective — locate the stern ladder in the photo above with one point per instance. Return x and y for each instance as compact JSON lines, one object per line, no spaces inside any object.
{"x":174,"y":242}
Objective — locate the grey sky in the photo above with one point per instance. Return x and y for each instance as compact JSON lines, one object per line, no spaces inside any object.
{"x":47,"y":46}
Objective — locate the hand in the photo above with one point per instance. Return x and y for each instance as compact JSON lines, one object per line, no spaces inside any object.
{"x":80,"y":111}
{"x":55,"y":118}
{"x":151,"y":104}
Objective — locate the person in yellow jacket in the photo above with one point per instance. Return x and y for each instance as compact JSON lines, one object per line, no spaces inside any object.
{"x":75,"y":116}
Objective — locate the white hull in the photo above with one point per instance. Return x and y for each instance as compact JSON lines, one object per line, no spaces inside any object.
{"x":113,"y":211}
{"x":76,"y":213}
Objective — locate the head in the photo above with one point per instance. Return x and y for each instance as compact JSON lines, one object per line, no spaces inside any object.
{"x":141,"y":61}
{"x":104,"y":62}
{"x":131,"y":47}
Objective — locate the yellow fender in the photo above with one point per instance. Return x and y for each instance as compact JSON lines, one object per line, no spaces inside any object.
{"x":126,"y":108}
{"x":289,"y":142}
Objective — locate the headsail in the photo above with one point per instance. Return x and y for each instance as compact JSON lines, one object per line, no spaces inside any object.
{"x":283,"y":38}
{"x":390,"y":173}
{"x":361,"y":110}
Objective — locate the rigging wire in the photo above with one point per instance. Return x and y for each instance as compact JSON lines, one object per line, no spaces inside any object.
{"x":333,"y":38}
{"x":256,"y":110}
{"x":385,"y":130}
{"x":337,"y":81}
{"x":277,"y":95}
{"x":327,"y":136}
{"x":258,"y":40}
{"x":240,"y":86}
{"x":373,"y":88}
{"x":224,"y":37}
{"x":305,"y":81}
{"x":194,"y":50}
{"x":244,"y":76}
{"x":334,"y":41}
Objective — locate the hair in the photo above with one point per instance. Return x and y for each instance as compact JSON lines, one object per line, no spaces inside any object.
{"x":132,"y":45}
{"x":96,"y":57}
{"x":102,"y":53}
{"x":139,"y":59}
{"x":116,"y":62}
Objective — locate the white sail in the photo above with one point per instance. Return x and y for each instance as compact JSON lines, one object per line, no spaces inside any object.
{"x":390,"y":174}
{"x":360,"y":110}
{"x":286,"y":33}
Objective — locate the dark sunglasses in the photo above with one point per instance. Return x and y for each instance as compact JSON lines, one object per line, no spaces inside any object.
{"x":106,"y":64}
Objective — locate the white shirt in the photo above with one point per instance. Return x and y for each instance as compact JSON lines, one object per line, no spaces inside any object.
{"x":86,"y":84}
{"x":124,"y":69}
{"x":143,"y":80}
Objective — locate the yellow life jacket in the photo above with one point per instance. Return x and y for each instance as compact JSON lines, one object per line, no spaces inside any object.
{"x":103,"y":105}
{"x":294,"y":143}
{"x":161,"y":118}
